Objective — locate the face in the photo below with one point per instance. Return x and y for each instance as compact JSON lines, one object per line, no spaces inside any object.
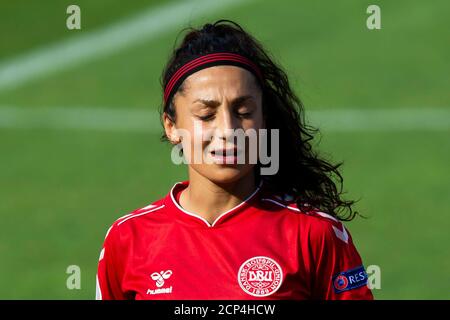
{"x":214,"y":105}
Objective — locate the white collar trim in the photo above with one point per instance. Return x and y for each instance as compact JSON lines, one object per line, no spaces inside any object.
{"x":221,"y":215}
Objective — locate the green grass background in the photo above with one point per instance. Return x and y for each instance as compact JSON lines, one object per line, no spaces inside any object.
{"x":61,"y":189}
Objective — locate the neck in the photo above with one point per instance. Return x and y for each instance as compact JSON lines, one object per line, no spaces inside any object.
{"x":209,"y":199}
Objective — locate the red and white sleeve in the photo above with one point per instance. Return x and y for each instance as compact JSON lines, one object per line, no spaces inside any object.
{"x":339,"y":271}
{"x":108,"y":278}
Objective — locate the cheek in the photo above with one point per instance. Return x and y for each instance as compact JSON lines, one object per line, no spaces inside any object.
{"x":196,"y":138}
{"x":256,"y":122}
{"x":201,"y":134}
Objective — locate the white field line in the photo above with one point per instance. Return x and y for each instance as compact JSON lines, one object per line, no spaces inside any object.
{"x":403,"y":119}
{"x":80,"y":118}
{"x":146,"y":25}
{"x":147,"y":121}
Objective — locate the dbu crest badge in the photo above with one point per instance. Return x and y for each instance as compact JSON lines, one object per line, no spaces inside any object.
{"x":260,"y":276}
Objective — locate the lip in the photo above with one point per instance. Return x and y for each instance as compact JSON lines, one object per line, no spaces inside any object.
{"x":226,"y":152}
{"x":226,"y":156}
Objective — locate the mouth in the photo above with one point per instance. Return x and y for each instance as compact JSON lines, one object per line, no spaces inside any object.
{"x":226,"y":156}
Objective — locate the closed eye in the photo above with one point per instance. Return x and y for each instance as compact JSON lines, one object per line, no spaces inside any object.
{"x":244,"y":114}
{"x":207,"y":117}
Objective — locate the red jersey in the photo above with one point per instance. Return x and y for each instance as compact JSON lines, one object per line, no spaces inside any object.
{"x":264,"y":248}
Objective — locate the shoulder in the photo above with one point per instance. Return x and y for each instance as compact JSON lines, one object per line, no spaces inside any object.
{"x":318,"y":226}
{"x":131,"y":219}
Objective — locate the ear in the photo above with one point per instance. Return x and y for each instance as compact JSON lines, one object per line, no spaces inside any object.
{"x":170,"y":129}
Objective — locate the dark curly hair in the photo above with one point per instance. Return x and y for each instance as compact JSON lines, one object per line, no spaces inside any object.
{"x":315,"y":182}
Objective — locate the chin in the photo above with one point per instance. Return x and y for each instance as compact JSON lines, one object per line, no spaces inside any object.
{"x":224,"y":174}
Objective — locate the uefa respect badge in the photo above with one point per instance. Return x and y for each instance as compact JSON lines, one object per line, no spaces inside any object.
{"x":350,"y":279}
{"x":260,"y":276}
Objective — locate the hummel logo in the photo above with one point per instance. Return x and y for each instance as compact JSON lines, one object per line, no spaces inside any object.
{"x":160,"y":277}
{"x":343,"y":235}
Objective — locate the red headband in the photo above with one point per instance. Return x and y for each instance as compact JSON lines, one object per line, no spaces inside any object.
{"x":206,"y":61}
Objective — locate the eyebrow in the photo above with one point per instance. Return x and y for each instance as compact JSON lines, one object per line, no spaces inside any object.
{"x":215,"y":103}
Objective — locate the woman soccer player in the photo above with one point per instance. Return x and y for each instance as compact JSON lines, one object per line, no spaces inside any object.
{"x":263,"y":229}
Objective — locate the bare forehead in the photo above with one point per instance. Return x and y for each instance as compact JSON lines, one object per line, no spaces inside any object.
{"x":221,"y":77}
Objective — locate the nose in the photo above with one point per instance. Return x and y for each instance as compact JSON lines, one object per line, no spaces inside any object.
{"x":226,"y":125}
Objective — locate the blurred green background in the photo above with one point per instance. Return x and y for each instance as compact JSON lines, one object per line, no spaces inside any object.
{"x":68,"y":168}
